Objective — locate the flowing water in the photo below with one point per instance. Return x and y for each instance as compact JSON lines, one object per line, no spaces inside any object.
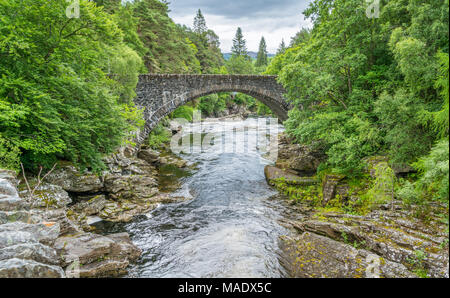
{"x":230,"y":226}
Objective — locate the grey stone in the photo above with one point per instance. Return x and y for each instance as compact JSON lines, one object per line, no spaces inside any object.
{"x":48,"y":195}
{"x":11,"y":238}
{"x":71,"y":180}
{"x":30,"y":251}
{"x":19,"y":268}
{"x":44,"y":233}
{"x":313,"y":256}
{"x":149,"y":155}
{"x":91,"y":207}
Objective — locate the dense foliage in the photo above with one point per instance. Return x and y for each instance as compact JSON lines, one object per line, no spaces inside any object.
{"x":372,"y":86}
{"x":56,"y":98}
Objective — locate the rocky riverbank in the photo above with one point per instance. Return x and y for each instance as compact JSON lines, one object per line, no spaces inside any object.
{"x":347,"y":230}
{"x":52,"y":233}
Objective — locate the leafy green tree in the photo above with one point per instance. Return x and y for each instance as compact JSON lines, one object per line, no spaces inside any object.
{"x":364,"y":86}
{"x":57,"y":100}
{"x":168,"y":51}
{"x":240,"y":65}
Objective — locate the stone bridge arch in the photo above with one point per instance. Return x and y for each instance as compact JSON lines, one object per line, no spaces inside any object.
{"x":161,"y":94}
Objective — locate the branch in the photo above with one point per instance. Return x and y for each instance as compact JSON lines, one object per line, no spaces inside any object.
{"x":39,"y":180}
{"x":337,"y":99}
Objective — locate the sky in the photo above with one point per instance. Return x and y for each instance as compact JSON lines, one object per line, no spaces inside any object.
{"x":273,"y":19}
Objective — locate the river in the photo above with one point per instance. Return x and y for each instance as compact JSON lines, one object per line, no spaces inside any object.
{"x":230,"y":227}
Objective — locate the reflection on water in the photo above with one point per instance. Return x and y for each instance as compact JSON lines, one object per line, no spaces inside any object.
{"x":230,"y":227}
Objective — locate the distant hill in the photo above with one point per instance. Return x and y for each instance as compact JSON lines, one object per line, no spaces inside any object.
{"x":253,"y":55}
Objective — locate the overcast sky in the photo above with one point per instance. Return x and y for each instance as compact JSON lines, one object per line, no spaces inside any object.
{"x":273,"y":19}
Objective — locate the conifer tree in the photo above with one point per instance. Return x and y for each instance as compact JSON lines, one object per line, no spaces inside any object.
{"x":261,"y":59}
{"x":282,"y":48}
{"x":239,"y":44}
{"x":200,"y":23}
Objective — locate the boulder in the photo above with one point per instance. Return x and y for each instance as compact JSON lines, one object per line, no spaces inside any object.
{"x":86,"y":248}
{"x":98,"y":256}
{"x":132,"y":187}
{"x":73,"y":181}
{"x":388,"y":235}
{"x":21,"y":215}
{"x":10,"y":203}
{"x":48,"y":195}
{"x":315,"y":256}
{"x":7,"y":189}
{"x":273,"y":173}
{"x":9,"y":175}
{"x":11,"y":238}
{"x":19,"y":268}
{"x":45,"y":233}
{"x":91,"y":207}
{"x":30,"y":251}
{"x":149,"y":156}
{"x":299,"y":158}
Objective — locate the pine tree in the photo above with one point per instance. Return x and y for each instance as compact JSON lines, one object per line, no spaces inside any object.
{"x":261,"y":59}
{"x":282,"y":47}
{"x":239,"y":44}
{"x":200,"y":23}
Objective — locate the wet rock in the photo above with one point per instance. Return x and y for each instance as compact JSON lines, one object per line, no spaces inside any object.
{"x":273,"y":173}
{"x":97,"y":255}
{"x":149,"y":156}
{"x":312,"y":256}
{"x":19,"y":268}
{"x":106,"y":268}
{"x":125,"y":211}
{"x":71,"y":180}
{"x":124,"y":247}
{"x":177,"y":162}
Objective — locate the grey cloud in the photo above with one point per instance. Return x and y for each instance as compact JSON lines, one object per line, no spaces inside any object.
{"x":236,"y":9}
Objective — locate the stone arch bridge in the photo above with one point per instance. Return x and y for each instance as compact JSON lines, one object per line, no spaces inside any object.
{"x":161,"y":94}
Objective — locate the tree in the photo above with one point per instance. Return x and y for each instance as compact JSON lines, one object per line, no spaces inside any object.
{"x":239,"y":45}
{"x":300,"y":37}
{"x":200,"y":23}
{"x":57,"y":100}
{"x":169,"y":51}
{"x":362,"y":87}
{"x":281,"y":48}
{"x":261,"y":59}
